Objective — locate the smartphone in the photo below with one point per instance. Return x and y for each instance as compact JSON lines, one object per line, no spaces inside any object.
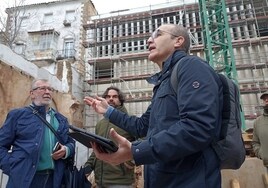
{"x":56,"y":147}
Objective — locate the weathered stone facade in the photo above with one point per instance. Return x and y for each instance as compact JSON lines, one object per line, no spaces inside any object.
{"x":14,"y":89}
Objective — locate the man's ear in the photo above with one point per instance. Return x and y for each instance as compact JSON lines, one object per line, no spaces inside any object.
{"x":179,"y":42}
{"x":31,"y":95}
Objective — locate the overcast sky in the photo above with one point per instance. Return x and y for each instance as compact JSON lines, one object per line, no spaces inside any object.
{"x":102,"y":6}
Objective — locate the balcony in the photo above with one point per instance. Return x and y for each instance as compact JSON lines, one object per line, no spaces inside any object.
{"x":65,"y":54}
{"x":47,"y":55}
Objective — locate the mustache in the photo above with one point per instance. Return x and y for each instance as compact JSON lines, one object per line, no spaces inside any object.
{"x":46,"y":95}
{"x":111,"y":103}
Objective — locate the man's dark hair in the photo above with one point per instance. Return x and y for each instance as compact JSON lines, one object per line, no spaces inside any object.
{"x":179,"y":30}
{"x":121,"y":96}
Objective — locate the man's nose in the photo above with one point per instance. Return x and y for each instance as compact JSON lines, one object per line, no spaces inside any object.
{"x":150,"y":40}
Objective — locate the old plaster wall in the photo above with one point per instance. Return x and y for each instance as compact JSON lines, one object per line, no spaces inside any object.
{"x":66,"y":75}
{"x":14,"y":89}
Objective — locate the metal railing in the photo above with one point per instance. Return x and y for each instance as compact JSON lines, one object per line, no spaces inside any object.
{"x":65,"y":54}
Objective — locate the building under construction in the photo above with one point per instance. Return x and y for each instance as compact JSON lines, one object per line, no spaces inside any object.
{"x":116,"y":54}
{"x":117,"y":50}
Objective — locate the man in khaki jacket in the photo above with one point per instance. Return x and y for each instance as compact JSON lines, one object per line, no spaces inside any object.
{"x":260,"y":133}
{"x":107,"y":175}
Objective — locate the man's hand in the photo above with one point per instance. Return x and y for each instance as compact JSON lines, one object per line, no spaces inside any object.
{"x":59,"y":153}
{"x":99,"y":104}
{"x":123,"y":153}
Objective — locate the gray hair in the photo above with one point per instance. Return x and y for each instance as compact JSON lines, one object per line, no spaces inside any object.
{"x":36,"y":80}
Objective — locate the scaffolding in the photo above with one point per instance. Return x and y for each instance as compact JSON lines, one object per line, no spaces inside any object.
{"x":117,"y":51}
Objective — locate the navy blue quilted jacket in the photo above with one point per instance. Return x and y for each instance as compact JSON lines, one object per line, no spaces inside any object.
{"x":179,"y":129}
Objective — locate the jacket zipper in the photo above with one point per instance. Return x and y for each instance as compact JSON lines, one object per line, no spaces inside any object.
{"x":106,"y":135}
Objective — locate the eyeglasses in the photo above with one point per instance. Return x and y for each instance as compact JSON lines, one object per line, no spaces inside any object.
{"x":50,"y":89}
{"x":158,"y":32}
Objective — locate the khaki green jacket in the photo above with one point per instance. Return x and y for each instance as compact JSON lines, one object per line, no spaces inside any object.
{"x":260,"y":137}
{"x":106,"y":174}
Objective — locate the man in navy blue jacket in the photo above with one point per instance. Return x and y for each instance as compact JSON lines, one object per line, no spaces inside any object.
{"x":178,"y":129}
{"x":26,"y":143}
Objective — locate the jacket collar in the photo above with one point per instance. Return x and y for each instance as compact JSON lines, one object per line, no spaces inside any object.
{"x":167,"y":66}
{"x":40,"y":109}
{"x":122,"y":108}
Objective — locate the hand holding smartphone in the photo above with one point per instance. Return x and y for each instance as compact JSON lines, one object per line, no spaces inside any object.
{"x":56,"y":147}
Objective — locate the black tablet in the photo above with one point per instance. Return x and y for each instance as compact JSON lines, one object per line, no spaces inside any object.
{"x":104,"y":144}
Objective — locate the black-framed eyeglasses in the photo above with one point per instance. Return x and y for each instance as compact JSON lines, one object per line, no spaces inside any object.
{"x":158,"y":32}
{"x":43,"y":88}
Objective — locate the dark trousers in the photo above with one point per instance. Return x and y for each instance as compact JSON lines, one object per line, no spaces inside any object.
{"x":42,"y":179}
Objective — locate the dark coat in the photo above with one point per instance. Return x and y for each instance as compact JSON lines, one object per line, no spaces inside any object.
{"x":24,"y":131}
{"x":179,"y":129}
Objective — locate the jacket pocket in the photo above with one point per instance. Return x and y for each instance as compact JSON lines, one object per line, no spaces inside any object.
{"x":5,"y":166}
{"x":27,"y":128}
{"x":165,"y":103}
{"x":20,"y":165}
{"x":14,"y":159}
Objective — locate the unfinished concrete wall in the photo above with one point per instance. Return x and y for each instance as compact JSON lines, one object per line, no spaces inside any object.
{"x":250,"y":175}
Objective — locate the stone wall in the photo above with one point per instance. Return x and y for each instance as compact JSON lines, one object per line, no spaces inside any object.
{"x":14,"y":91}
